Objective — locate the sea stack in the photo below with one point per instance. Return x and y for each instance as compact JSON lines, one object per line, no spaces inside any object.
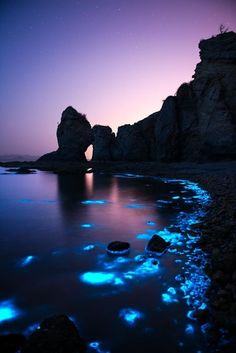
{"x":74,"y":135}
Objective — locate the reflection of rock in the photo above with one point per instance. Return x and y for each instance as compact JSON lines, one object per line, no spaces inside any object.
{"x":118,"y":248}
{"x":157,"y":245}
{"x":102,"y":140}
{"x":11,"y":343}
{"x":74,"y":135}
{"x":21,"y":170}
{"x":56,"y":334}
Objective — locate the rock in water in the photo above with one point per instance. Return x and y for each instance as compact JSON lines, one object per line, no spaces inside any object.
{"x":56,"y":334}
{"x":11,"y":343}
{"x":74,"y":136}
{"x":103,"y":138}
{"x":157,"y":245}
{"x":118,"y":248}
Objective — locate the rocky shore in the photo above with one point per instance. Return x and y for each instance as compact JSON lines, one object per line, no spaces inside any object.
{"x":218,"y":229}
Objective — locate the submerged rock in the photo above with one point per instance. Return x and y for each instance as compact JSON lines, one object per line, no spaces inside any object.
{"x":21,"y":170}
{"x":118,"y":248}
{"x":11,"y":343}
{"x":157,"y":245}
{"x":56,"y":334}
{"x":74,"y":136}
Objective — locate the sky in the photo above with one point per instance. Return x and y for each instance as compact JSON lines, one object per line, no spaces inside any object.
{"x":114,"y":60}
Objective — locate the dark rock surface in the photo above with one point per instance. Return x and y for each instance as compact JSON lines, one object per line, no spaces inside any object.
{"x":11,"y":343}
{"x":103,"y":138}
{"x":56,"y":334}
{"x":136,"y":142}
{"x":74,"y":135}
{"x":21,"y":170}
{"x":118,"y":248}
{"x":157,"y":245}
{"x":199,"y":123}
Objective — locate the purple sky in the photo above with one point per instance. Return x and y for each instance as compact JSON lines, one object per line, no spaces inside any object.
{"x":114,"y":60}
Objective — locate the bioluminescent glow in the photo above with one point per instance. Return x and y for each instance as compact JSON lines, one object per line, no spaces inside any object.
{"x":101,"y":278}
{"x":130,"y":316}
{"x":149,"y":267}
{"x":168,"y":298}
{"x":94,"y":202}
{"x":86,"y":225}
{"x":171,"y":290}
{"x":151,"y":223}
{"x":143,"y":236}
{"x":26,"y":260}
{"x":8,"y":311}
{"x":89,"y":247}
{"x":135,"y":206}
{"x":30,"y":329}
{"x":189,"y":329}
{"x":96,"y":346}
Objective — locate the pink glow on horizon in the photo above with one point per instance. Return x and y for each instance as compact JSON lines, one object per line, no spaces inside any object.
{"x":115,"y":61}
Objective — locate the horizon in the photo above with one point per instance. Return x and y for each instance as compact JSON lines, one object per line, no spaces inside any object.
{"x":111,"y":60}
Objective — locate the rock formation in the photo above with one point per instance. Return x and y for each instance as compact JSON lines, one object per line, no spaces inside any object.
{"x":103,"y":138}
{"x":136,"y":142}
{"x":199,"y":123}
{"x":74,"y":135}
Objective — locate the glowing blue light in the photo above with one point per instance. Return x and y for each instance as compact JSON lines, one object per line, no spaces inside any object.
{"x":168,"y":298}
{"x":30,"y":329}
{"x":135,"y":206}
{"x":88,"y":247}
{"x":94,"y":202}
{"x":171,"y":290}
{"x":176,"y":197}
{"x":86,"y":225}
{"x":27,"y":260}
{"x":97,"y":278}
{"x":189,"y":329}
{"x":97,"y":347}
{"x":130,"y":316}
{"x":143,"y":236}
{"x":8,"y":311}
{"x":151,"y":223}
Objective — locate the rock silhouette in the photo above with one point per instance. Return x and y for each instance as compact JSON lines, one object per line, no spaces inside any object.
{"x":197,"y":124}
{"x":74,"y":135}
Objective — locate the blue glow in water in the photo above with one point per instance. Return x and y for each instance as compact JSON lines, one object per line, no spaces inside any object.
{"x":96,"y":346}
{"x":8,"y":311}
{"x":168,"y":298}
{"x":130,"y":316}
{"x":149,"y":267}
{"x":189,"y":329}
{"x":135,"y":206}
{"x":171,"y":290}
{"x":151,"y":223}
{"x":88,"y":247}
{"x":97,"y":278}
{"x":175,"y":197}
{"x":86,"y":225}
{"x":26,"y":260}
{"x":94,"y":202}
{"x":30,"y":329}
{"x":143,"y":236}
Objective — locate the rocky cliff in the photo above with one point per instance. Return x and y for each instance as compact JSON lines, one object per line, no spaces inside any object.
{"x":197,"y":124}
{"x":74,"y":135}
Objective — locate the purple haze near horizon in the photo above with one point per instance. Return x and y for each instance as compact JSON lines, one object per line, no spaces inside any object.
{"x":115,"y":60}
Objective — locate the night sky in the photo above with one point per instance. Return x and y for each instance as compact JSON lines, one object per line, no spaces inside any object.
{"x":115,"y":60}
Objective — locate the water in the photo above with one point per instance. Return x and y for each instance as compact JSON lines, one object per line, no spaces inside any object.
{"x":54,"y":232}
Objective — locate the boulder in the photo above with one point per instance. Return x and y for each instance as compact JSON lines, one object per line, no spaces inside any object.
{"x":56,"y":334}
{"x":11,"y":343}
{"x":103,"y":138}
{"x":74,"y":136}
{"x":157,"y":245}
{"x":118,"y":248}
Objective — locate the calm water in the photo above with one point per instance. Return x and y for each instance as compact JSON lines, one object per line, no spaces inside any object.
{"x":54,"y":232}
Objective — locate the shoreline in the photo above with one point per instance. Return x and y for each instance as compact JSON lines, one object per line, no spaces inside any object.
{"x":217,"y":229}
